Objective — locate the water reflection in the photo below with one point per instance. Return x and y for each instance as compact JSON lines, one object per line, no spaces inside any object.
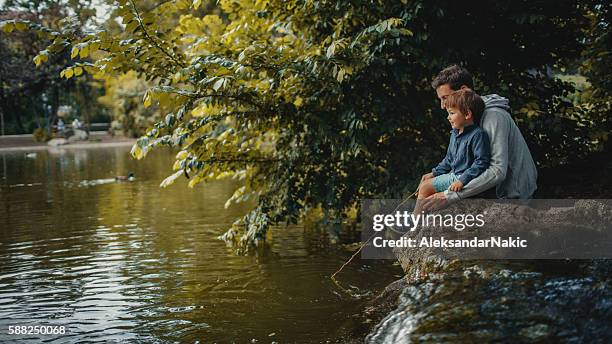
{"x":130,"y":261}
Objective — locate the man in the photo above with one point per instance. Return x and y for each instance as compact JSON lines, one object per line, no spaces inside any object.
{"x":512,"y":171}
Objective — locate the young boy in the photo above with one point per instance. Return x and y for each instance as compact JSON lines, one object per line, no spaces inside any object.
{"x":468,"y":153}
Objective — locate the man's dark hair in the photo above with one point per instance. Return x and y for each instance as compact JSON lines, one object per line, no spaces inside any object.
{"x":466,"y":100}
{"x":455,"y":76}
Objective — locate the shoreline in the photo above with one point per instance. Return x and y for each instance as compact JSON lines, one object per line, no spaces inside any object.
{"x":25,"y":143}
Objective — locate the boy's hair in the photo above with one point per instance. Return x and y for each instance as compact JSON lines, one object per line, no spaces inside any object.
{"x":455,"y":76}
{"x":466,"y":100}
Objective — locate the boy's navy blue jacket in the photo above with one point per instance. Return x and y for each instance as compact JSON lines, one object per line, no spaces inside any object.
{"x":468,"y":154}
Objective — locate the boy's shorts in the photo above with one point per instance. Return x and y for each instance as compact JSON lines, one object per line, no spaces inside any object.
{"x":443,"y":181}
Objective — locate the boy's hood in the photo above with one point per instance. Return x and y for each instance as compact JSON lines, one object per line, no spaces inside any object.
{"x":494,"y":100}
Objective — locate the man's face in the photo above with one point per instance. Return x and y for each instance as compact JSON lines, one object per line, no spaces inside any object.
{"x":443,"y":91}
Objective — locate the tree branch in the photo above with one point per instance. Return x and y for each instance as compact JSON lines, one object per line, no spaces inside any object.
{"x":151,"y":40}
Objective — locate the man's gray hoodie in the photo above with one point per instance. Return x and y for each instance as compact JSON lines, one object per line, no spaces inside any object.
{"x":512,"y":171}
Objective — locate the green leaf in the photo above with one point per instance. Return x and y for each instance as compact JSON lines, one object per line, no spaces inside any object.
{"x":331,"y":50}
{"x":131,"y":26}
{"x":219,"y":84}
{"x":340,"y":75}
{"x":169,"y":119}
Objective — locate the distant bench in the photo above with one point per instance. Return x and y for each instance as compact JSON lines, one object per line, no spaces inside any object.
{"x":99,"y":126}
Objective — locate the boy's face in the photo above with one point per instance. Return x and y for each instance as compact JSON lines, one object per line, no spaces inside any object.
{"x":457,"y":119}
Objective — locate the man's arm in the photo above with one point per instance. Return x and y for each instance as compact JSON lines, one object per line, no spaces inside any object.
{"x":497,"y":127}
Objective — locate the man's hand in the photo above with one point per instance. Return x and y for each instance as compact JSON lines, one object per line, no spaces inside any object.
{"x":456,"y":186}
{"x":434,"y":202}
{"x":427,"y":176}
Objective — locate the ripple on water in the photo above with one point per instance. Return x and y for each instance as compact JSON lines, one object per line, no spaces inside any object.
{"x":134,"y":263}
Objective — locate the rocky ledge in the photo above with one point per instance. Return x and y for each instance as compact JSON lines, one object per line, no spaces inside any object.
{"x":514,"y":301}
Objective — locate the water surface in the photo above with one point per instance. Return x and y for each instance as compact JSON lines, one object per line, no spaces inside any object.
{"x":132,"y":262}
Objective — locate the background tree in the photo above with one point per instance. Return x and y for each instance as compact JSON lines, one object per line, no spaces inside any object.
{"x":123,"y":96}
{"x":321,"y":104}
{"x":23,"y":90}
{"x":596,"y":64}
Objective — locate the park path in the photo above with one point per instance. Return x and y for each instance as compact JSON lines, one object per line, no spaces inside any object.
{"x":96,"y":139}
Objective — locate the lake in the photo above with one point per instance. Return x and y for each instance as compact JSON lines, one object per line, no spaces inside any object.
{"x":131,"y":262}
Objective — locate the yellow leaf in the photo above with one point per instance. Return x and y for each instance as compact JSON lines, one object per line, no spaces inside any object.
{"x":177,"y":77}
{"x":182,"y":4}
{"x":78,"y":71}
{"x":181,"y":155}
{"x":197,"y":3}
{"x":84,"y":52}
{"x":136,"y":151}
{"x":8,"y":27}
{"x":68,"y":73}
{"x":94,"y":46}
{"x":298,"y":102}
{"x":177,"y":165}
{"x":201,"y":110}
{"x":147,"y":99}
{"x":74,"y":52}
{"x":195,"y":180}
{"x":164,"y":99}
{"x":21,"y":26}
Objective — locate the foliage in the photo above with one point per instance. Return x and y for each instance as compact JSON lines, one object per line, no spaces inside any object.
{"x":123,"y":95}
{"x":22,"y":90}
{"x":596,"y":98}
{"x":41,"y":135}
{"x":318,"y":104}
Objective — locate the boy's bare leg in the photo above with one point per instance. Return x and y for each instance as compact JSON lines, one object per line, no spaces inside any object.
{"x":426,"y":189}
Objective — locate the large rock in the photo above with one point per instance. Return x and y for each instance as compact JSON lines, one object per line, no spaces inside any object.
{"x":547,"y":302}
{"x":510,"y":301}
{"x":78,"y":135}
{"x":564,"y":230}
